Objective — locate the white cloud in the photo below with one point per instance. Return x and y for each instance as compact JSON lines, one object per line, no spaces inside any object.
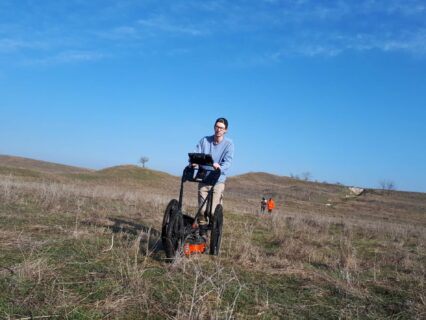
{"x":165,"y":24}
{"x":412,"y":43}
{"x":408,"y":8}
{"x":66,"y":57}
{"x":13,"y":45}
{"x":323,"y":44}
{"x":120,"y":34}
{"x":283,"y":27}
{"x":72,"y":56}
{"x":125,"y":30}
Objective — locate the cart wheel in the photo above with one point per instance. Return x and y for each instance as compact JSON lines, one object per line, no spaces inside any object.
{"x":216,"y":233}
{"x":172,"y":229}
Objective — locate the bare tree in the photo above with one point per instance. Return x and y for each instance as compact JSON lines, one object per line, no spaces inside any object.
{"x":143,"y":160}
{"x":306,"y":176}
{"x":294,"y":176}
{"x":387,"y":185}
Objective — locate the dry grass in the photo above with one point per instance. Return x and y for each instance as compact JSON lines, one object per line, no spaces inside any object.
{"x":74,"y":248}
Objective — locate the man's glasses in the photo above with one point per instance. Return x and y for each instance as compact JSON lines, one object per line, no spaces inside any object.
{"x":219,"y":128}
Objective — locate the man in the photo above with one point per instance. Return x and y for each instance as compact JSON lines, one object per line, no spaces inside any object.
{"x":263,"y":204}
{"x":222,"y":152}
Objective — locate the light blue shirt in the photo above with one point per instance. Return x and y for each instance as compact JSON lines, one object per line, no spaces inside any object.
{"x":222,"y":153}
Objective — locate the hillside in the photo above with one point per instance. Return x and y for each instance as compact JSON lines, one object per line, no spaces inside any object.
{"x":38,"y":165}
{"x":124,"y":174}
{"x":294,"y":195}
{"x":136,"y":173}
{"x":244,"y":191}
{"x":86,"y":245}
{"x":291,"y":195}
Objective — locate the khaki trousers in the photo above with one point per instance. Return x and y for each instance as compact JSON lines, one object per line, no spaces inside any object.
{"x":203,"y":190}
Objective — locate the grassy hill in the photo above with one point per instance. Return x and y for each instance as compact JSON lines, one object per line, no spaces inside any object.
{"x":81,"y":244}
{"x":37,"y":165}
{"x":128,"y":175}
{"x":135,"y":173}
{"x":325,"y":199}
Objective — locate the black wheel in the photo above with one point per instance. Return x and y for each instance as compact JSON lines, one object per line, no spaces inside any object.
{"x":216,"y":233}
{"x":172,"y":229}
{"x":171,"y":208}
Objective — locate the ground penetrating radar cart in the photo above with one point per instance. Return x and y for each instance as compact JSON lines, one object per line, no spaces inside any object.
{"x":180,"y":232}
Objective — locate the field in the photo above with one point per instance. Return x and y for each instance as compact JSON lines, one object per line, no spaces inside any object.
{"x":83,"y":244}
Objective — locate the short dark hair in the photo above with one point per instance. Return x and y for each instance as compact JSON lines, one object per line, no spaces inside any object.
{"x":222,"y":120}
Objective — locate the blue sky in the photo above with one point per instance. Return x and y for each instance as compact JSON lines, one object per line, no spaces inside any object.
{"x":334,"y":88}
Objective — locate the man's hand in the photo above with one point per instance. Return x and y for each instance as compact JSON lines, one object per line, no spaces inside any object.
{"x":216,"y":166}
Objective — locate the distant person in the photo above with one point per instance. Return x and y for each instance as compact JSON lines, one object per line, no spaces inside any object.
{"x":222,"y":152}
{"x":271,"y":205}
{"x":263,"y":204}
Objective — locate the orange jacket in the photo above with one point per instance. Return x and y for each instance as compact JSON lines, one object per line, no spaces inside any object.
{"x":271,"y":204}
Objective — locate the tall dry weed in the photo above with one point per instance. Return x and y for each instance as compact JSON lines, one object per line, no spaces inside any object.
{"x":238,"y":245}
{"x":83,"y":200}
{"x":202,"y":295}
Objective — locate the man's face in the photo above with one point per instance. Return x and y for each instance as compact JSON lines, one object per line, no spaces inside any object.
{"x":219,"y":129}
